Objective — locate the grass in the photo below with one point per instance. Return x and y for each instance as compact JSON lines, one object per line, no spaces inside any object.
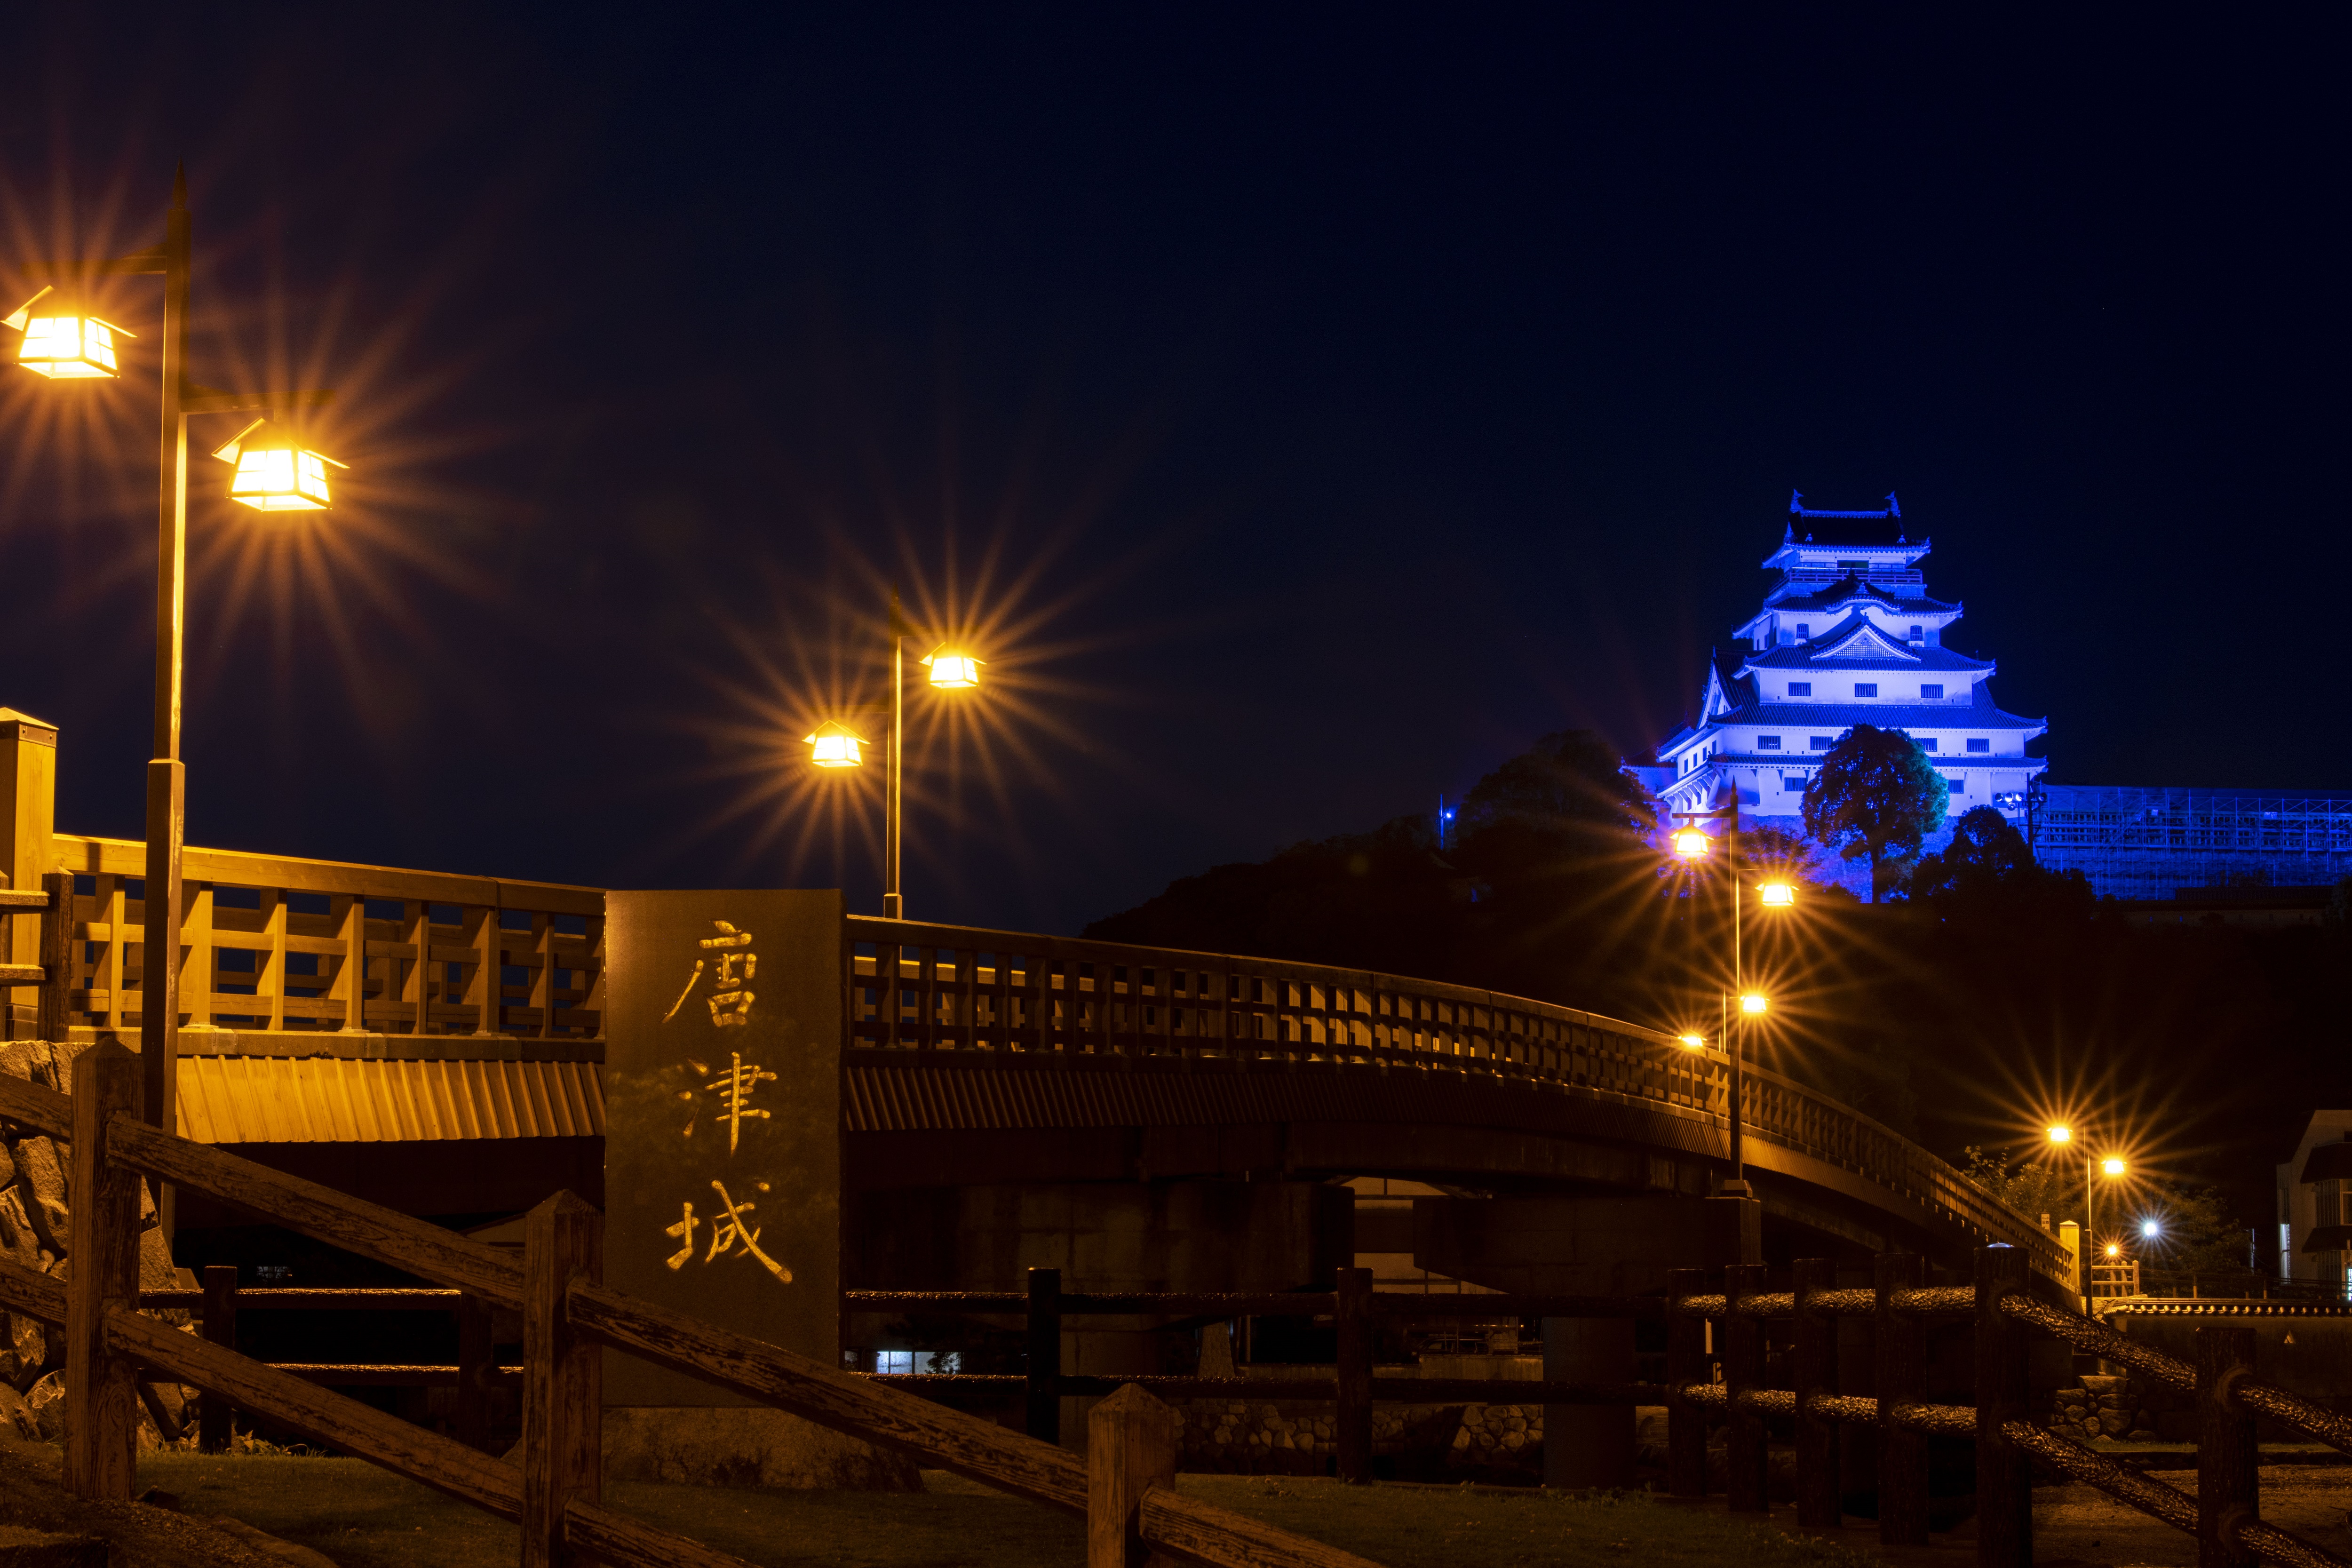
{"x":366,"y":1518}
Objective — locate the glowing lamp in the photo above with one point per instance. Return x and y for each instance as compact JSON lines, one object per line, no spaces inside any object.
{"x":2112,"y":1166}
{"x":2062,"y":1134}
{"x":953,"y":670}
{"x":2149,"y":1228}
{"x":2114,"y":1250}
{"x":1777,"y":896}
{"x":274,"y":472}
{"x":834,"y":745}
{"x":1694,"y":1042}
{"x":1751,"y":1003}
{"x":62,"y":342}
{"x":1693,"y":843}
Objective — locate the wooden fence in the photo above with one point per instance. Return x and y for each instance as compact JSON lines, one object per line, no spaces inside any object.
{"x":1122,"y":1487}
{"x":2002,"y":1307}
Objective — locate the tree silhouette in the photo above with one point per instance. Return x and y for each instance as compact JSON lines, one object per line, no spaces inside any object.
{"x":1878,"y":795}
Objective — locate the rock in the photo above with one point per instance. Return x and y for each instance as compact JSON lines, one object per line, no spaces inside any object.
{"x":2141,"y":1435}
{"x":749,"y":1447}
{"x":41,"y":1179}
{"x":27,"y":1059}
{"x":19,"y":1242}
{"x":46,"y":1403}
{"x":16,"y":1417}
{"x":2115,"y":1424}
{"x":2097,"y":1384}
{"x":25,"y":1351}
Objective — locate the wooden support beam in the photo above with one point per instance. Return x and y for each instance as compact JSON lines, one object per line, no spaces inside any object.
{"x":1902,"y":1379}
{"x":1685,"y":1364}
{"x":1742,"y":1338}
{"x":564,"y":1381}
{"x":1815,"y":1366}
{"x":1044,"y":1419}
{"x":2228,"y":1492}
{"x":1352,"y":1314}
{"x":215,"y":1414}
{"x":101,"y":1393}
{"x":475,"y":1365}
{"x":57,"y":955}
{"x":1130,"y":1448}
{"x":2004,"y":1475}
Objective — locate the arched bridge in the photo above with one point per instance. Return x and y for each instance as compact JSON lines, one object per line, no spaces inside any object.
{"x":977,"y":1055}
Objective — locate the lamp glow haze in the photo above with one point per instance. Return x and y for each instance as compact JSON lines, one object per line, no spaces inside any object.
{"x":62,"y":342}
{"x":1694,"y":1042}
{"x":1753,"y":1003}
{"x":2148,"y":1228}
{"x":1692,"y":842}
{"x":1776,"y":895}
{"x":2113,"y":1166}
{"x":274,"y":472}
{"x":2062,"y":1135}
{"x":953,"y":670}
{"x":833,"y":744}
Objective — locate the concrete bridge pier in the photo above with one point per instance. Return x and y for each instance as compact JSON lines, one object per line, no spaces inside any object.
{"x":1585,"y":1246}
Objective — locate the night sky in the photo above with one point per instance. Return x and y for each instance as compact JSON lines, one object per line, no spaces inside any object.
{"x":1310,"y":410}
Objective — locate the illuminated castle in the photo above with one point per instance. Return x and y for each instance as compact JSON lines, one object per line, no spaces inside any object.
{"x":1848,"y":635}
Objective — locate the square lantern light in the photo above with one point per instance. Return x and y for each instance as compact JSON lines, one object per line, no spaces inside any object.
{"x":953,"y":670}
{"x":62,"y":341}
{"x":833,"y":744}
{"x":1693,"y":843}
{"x":274,"y":472}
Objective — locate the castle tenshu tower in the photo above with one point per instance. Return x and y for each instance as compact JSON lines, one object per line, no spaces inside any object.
{"x":1848,"y":635}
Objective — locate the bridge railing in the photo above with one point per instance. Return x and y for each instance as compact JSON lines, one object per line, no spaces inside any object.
{"x":273,"y":943}
{"x":936,"y":992}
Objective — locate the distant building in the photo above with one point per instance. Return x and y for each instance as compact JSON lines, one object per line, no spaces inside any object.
{"x":2236,"y":856}
{"x":1847,"y":636}
{"x":2314,"y":1236}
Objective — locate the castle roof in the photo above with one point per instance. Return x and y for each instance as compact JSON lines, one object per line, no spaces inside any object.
{"x":1979,"y":714}
{"x":1810,"y":656}
{"x":1849,"y":588}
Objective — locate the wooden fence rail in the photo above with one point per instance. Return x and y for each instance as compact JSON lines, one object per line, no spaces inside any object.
{"x":2001,"y":1307}
{"x":568,"y":1314}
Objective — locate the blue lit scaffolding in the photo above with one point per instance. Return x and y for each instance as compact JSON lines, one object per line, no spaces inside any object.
{"x":2152,"y":843}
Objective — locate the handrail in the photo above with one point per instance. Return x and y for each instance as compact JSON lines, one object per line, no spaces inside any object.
{"x":1124,"y":999}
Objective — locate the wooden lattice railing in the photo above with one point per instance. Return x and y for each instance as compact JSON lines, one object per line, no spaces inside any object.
{"x":570,"y":1318}
{"x":273,"y":943}
{"x":949,"y":995}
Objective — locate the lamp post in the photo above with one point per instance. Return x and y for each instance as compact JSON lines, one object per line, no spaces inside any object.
{"x":1693,"y":844}
{"x":2115,"y":1167}
{"x":833,"y":744}
{"x":63,"y":342}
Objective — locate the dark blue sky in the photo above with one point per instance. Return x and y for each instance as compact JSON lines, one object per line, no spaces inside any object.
{"x":1315,"y":408}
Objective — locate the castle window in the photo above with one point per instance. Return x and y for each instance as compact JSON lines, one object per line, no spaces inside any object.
{"x":1821,"y":742}
{"x":1793,"y":783}
{"x":1980,"y":745}
{"x":1801,"y":689}
{"x":1931,"y":693}
{"x":1854,"y":566}
{"x":1865,"y":688}
{"x":1919,"y":633}
{"x":1924,"y":742}
{"x":1805,"y":628}
{"x":1767,"y":742}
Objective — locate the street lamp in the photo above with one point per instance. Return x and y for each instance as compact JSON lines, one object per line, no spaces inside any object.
{"x":2115,"y":1167}
{"x":1693,"y":844}
{"x":62,"y":342}
{"x":834,"y":745}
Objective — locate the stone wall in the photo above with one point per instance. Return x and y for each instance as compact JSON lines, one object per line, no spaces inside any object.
{"x":2118,"y":1408}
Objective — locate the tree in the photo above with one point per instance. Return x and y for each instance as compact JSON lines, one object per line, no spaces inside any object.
{"x":1876,"y":795}
{"x":1984,"y":851}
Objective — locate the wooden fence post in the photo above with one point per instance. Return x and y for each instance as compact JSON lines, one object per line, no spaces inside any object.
{"x":1902,"y":1379}
{"x":563,"y":1377}
{"x":1353,"y":1315}
{"x":101,"y":1390}
{"x":1745,"y":1446}
{"x":1816,"y":1373}
{"x":2004,"y":1475}
{"x":1685,"y":1364}
{"x":1045,"y":1414}
{"x":2228,"y":1494}
{"x":474,"y":1355}
{"x":214,"y":1412}
{"x":1130,"y":1448}
{"x":57,"y":956}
